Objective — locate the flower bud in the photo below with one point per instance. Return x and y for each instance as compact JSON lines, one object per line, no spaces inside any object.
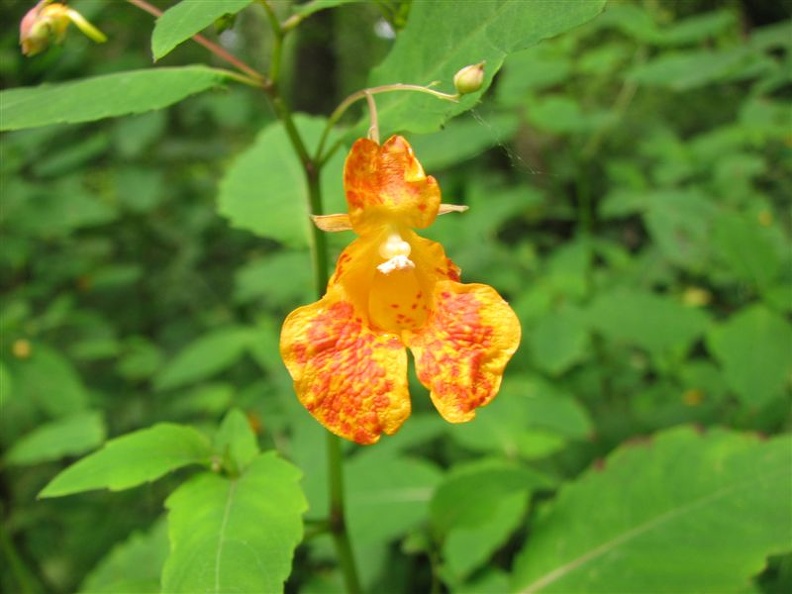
{"x":47,"y":22}
{"x":469,"y":79}
{"x":43,"y":24}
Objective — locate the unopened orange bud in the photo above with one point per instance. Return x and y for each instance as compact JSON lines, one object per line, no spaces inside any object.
{"x":47,"y":22}
{"x":469,"y":79}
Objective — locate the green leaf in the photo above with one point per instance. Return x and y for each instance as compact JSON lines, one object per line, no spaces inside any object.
{"x":133,"y":459}
{"x":476,"y":507}
{"x":564,"y":115}
{"x":264,"y":190}
{"x":204,"y":399}
{"x":132,"y":137}
{"x":185,"y":19}
{"x":68,"y":436}
{"x":211,"y":353}
{"x":386,"y":495}
{"x":622,"y":202}
{"x":753,"y":348}
{"x":689,"y":70}
{"x":133,"y":565}
{"x":105,"y":96}
{"x":423,"y":427}
{"x":653,"y":322}
{"x":746,"y":249}
{"x":559,"y":340}
{"x":466,"y":549}
{"x":236,"y":441}
{"x":779,"y":297}
{"x":6,"y":385}
{"x":638,"y":23}
{"x":442,"y":37}
{"x":631,"y":20}
{"x":261,"y":278}
{"x":308,"y":8}
{"x":468,"y":494}
{"x":532,"y":69}
{"x":682,"y":512}
{"x":66,"y":159}
{"x":530,"y":417}
{"x":568,"y":266}
{"x":43,"y":211}
{"x":699,"y":27}
{"x":139,"y":189}
{"x":235,"y":535}
{"x":489,"y":579}
{"x":462,"y":139}
{"x":140,"y":359}
{"x":680,"y":222}
{"x":49,"y":379}
{"x":770,"y":36}
{"x":264,"y":349}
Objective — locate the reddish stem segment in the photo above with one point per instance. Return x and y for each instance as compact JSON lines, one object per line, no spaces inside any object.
{"x":211,"y":46}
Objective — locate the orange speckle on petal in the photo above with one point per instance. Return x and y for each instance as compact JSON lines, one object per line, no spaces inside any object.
{"x":461,"y":352}
{"x":340,"y":368}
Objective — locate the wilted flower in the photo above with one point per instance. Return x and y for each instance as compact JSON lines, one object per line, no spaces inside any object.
{"x":47,"y":23}
{"x":394,"y":289}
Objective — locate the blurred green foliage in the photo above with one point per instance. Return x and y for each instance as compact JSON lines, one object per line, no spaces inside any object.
{"x":629,"y":188}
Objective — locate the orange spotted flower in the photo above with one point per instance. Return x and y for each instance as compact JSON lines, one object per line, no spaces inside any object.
{"x":394,"y":289}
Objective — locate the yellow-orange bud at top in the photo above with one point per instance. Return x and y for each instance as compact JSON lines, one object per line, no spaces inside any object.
{"x":47,"y":22}
{"x":469,"y":79}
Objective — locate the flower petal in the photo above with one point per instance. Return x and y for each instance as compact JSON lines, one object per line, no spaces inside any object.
{"x":398,"y":300}
{"x":386,"y":183}
{"x":352,"y":380}
{"x":332,"y":223}
{"x":461,"y":353}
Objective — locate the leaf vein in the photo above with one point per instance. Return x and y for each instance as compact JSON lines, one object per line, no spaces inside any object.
{"x":606,"y":547}
{"x":221,"y":534}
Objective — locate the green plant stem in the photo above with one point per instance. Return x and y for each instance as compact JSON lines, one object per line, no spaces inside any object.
{"x":335,"y":460}
{"x":277,"y":47}
{"x":585,"y":206}
{"x":314,"y":528}
{"x":321,"y":157}
{"x":22,"y":575}
{"x":338,"y":528}
{"x":620,"y":105}
{"x":336,"y":523}
{"x":318,"y":239}
{"x":241,"y":78}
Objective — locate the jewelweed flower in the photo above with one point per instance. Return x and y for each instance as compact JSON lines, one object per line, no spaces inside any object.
{"x":392,"y":290}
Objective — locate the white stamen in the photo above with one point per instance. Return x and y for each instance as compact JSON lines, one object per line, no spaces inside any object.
{"x":395,"y":263}
{"x":395,"y":251}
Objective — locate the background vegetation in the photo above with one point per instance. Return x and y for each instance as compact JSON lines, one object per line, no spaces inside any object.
{"x":629,"y":187}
